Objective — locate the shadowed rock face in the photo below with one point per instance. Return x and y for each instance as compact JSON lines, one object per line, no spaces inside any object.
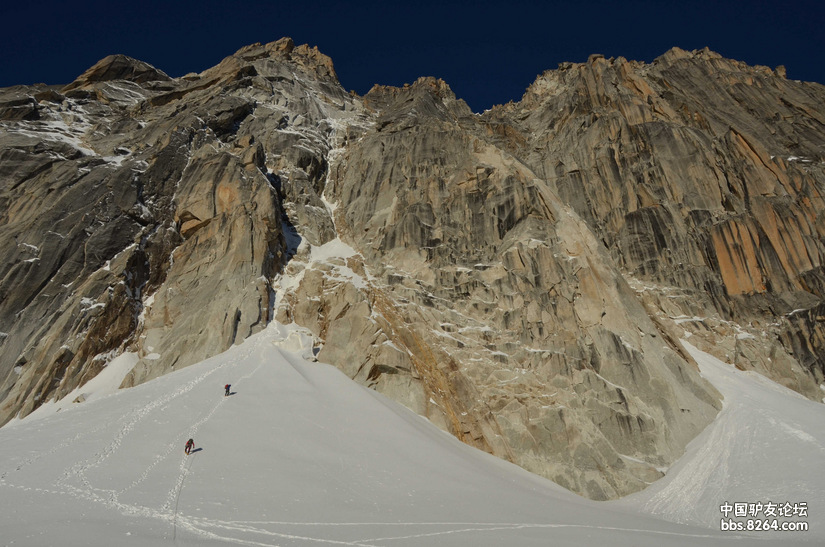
{"x":520,"y":277}
{"x":139,"y":213}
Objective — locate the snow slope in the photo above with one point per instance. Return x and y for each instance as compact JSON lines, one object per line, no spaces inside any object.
{"x":766,"y":445}
{"x":298,"y":455}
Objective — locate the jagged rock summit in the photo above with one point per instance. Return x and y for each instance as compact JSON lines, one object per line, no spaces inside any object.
{"x":520,"y":277}
{"x":118,"y":67}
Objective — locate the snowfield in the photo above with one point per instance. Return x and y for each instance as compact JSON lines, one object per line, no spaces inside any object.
{"x":299,"y":455}
{"x":767,"y":445}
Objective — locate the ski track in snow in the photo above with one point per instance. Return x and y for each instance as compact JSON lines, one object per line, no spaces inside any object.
{"x":199,"y":525}
{"x":75,"y":482}
{"x":45,"y":454}
{"x":168,"y":511}
{"x":453,"y":528}
{"x":82,"y":479}
{"x":111,"y":497}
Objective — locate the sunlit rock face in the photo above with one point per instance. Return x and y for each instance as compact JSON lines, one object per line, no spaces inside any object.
{"x":520,"y":277}
{"x":704,"y":179}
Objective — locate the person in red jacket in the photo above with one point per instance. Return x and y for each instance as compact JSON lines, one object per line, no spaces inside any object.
{"x":190,"y":444}
{"x":226,"y":388}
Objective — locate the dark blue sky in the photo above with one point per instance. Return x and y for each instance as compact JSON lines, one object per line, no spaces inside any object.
{"x":488,"y":52}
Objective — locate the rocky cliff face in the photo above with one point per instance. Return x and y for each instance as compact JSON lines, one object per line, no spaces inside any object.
{"x":697,"y":173}
{"x":521,"y":277}
{"x":141,"y":212}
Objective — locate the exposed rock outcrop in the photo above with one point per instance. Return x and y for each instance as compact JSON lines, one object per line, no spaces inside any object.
{"x":153,"y":225}
{"x":118,"y":67}
{"x":548,"y":357}
{"x":696,"y":171}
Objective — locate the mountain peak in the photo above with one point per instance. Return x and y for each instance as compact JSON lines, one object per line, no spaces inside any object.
{"x":118,"y":67}
{"x":283,"y":46}
{"x":305,"y":56}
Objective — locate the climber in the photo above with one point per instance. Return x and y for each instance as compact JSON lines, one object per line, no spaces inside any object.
{"x":190,"y":444}
{"x":226,"y":387}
